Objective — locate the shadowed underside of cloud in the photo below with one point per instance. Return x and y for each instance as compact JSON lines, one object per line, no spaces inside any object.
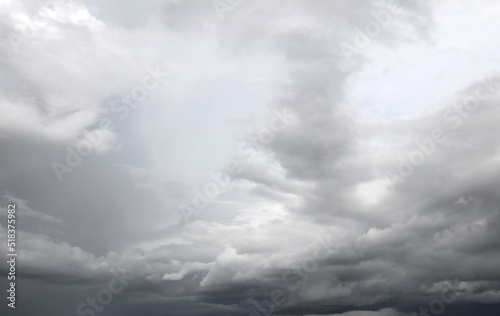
{"x":340,"y":213}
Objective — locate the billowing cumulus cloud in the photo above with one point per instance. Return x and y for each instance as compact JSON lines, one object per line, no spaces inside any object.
{"x":250,"y":157}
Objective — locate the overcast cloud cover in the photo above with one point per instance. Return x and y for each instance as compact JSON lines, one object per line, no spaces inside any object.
{"x":251,"y":157}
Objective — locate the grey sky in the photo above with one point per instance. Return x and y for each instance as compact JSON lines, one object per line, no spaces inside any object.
{"x":364,"y":130}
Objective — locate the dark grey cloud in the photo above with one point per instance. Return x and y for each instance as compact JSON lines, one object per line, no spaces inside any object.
{"x":341,"y":212}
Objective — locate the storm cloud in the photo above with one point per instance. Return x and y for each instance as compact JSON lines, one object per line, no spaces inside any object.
{"x":183,"y":157}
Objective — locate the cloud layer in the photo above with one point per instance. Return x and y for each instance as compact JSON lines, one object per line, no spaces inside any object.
{"x":378,"y":194}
